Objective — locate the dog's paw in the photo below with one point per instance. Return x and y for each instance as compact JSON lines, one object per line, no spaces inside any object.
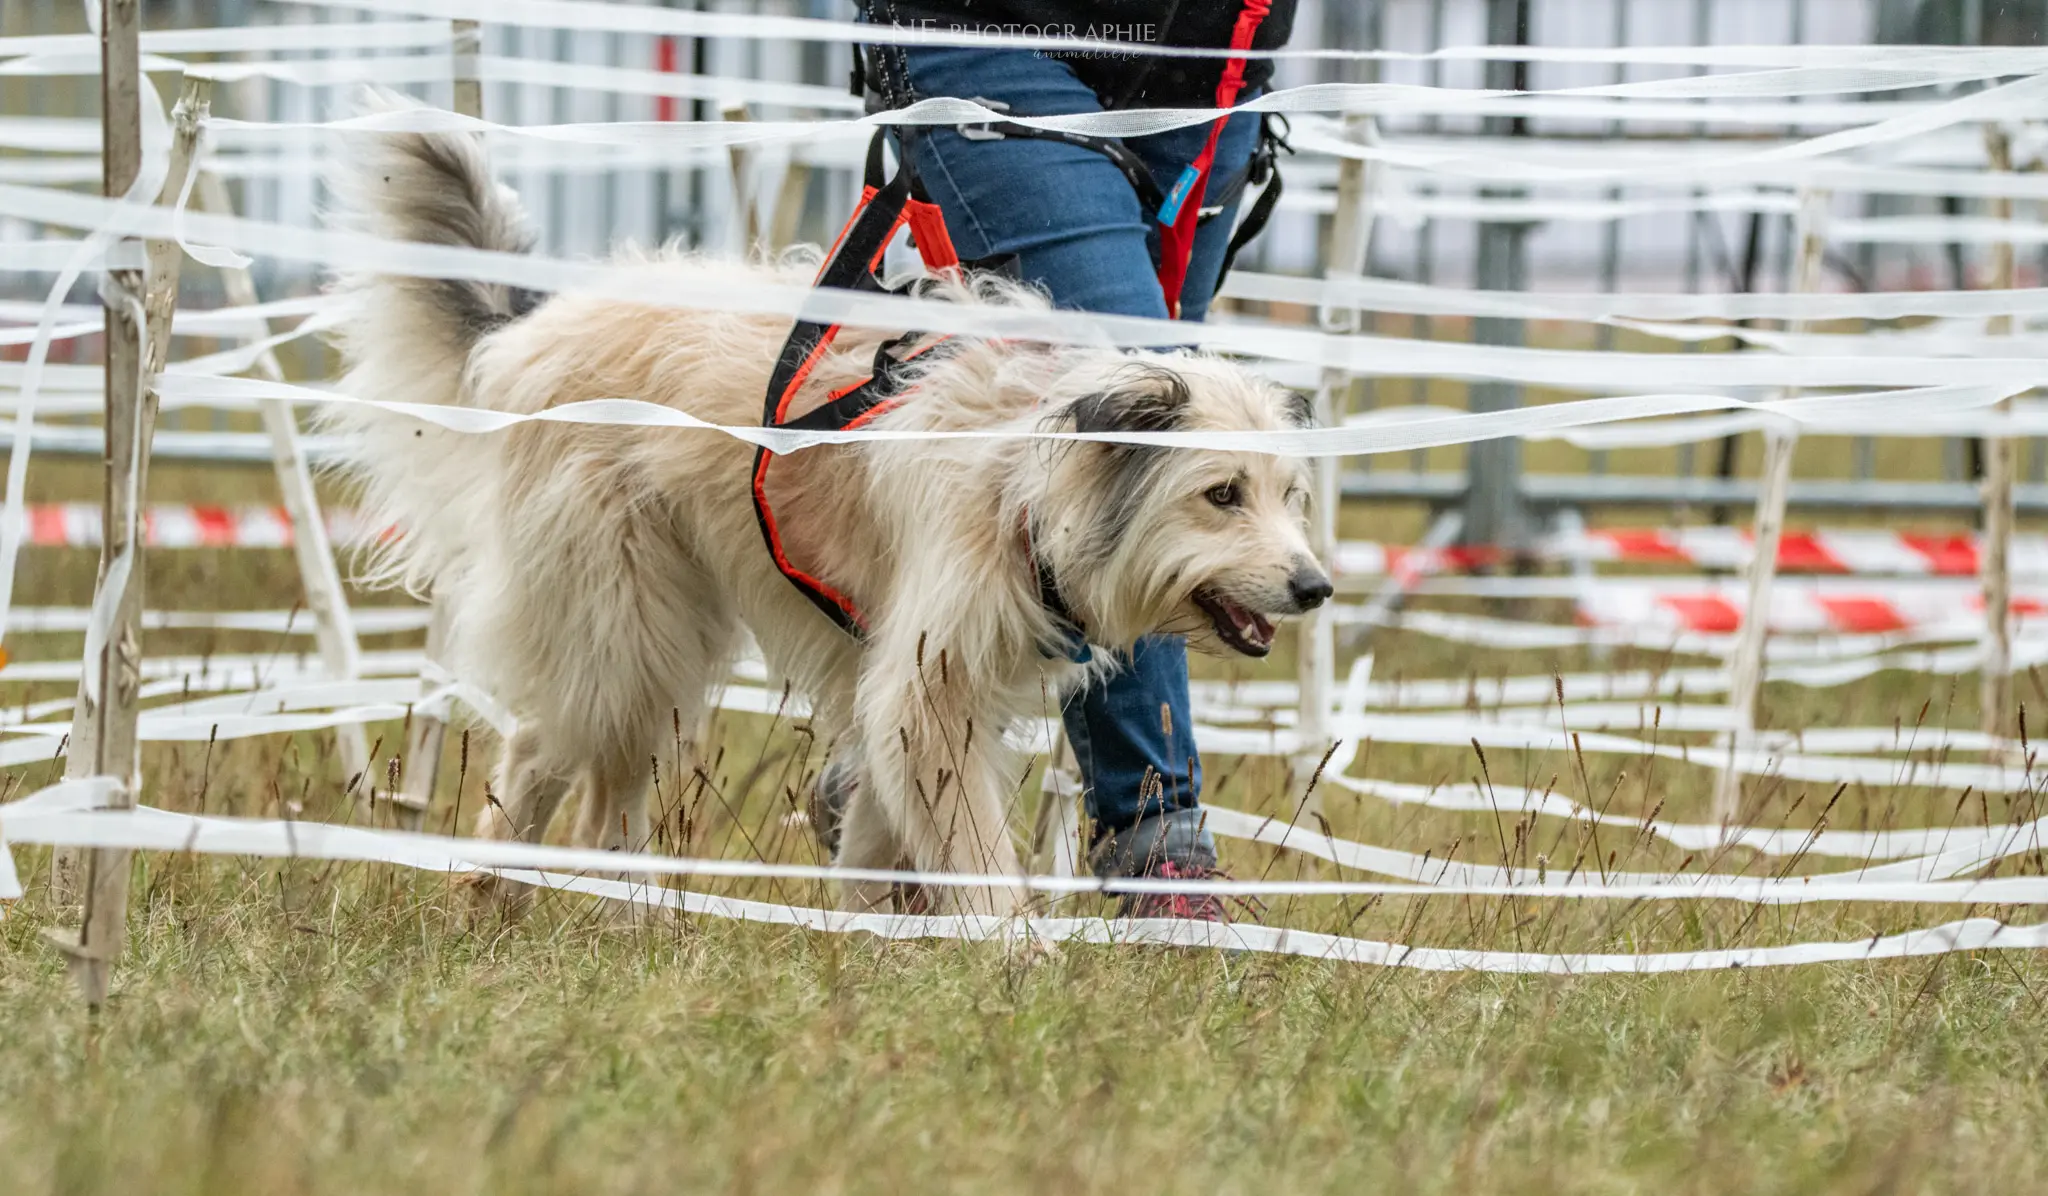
{"x":489,"y":898}
{"x":915,"y":899}
{"x":867,"y":897}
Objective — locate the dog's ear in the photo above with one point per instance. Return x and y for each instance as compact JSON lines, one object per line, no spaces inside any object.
{"x":1298,"y":408}
{"x":1151,"y":399}
{"x":1144,"y":398}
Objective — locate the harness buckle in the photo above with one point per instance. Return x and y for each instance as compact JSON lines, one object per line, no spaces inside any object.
{"x":984,"y":131}
{"x":1273,"y":134}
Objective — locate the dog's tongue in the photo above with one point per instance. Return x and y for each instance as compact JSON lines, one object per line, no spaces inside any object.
{"x":1253,"y":627}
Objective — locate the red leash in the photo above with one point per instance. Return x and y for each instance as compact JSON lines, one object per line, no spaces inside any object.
{"x":1184,"y":203}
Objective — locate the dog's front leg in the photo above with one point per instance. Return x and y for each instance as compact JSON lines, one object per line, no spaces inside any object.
{"x":868,"y":839}
{"x":533,"y":778}
{"x":934,"y":753}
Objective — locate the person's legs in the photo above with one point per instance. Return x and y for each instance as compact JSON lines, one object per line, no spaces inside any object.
{"x":1077,"y":230}
{"x":1145,"y":802}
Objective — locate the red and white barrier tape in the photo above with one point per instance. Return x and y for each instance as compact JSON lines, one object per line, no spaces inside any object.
{"x":1795,"y":608}
{"x":1845,"y":551}
{"x":184,"y":525}
{"x":1658,"y":605}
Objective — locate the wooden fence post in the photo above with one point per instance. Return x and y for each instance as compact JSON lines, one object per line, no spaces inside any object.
{"x":746,"y":215}
{"x":139,"y":305}
{"x":467,"y":43}
{"x":326,"y":599}
{"x":1994,"y":562}
{"x":789,"y":205}
{"x":1746,"y":662}
{"x":1056,"y":832}
{"x":1316,"y":663}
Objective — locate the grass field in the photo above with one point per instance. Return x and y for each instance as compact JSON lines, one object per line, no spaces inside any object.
{"x":303,"y":1027}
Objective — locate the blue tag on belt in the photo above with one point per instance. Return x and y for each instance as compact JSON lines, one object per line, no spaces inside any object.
{"x":1169,"y":212}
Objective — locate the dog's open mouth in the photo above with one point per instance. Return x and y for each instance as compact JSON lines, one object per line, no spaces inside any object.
{"x":1247,"y":631}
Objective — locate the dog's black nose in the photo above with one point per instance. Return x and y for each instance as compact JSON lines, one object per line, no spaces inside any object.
{"x":1310,"y":587}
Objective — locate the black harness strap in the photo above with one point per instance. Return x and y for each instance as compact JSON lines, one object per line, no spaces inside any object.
{"x":1073,"y":642}
{"x":884,"y":207}
{"x":886,"y":382}
{"x":1132,"y":167}
{"x":1264,"y":168}
{"x":851,"y":267}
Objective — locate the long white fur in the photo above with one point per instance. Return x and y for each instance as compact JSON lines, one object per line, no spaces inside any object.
{"x":599,"y":578}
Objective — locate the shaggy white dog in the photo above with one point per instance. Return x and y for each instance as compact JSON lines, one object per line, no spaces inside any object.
{"x":598,"y":577}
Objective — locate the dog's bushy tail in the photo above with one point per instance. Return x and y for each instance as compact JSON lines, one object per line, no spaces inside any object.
{"x":434,"y":188}
{"x":410,"y":339}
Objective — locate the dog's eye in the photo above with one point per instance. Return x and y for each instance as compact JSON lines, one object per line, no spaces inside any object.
{"x":1225,"y":495}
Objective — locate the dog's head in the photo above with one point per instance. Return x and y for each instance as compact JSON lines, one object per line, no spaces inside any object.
{"x":1208,"y":543}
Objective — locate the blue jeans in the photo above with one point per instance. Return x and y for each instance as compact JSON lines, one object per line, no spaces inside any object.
{"x":1075,"y":224}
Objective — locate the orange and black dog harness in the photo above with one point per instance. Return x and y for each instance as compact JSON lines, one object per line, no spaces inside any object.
{"x":852,"y":264}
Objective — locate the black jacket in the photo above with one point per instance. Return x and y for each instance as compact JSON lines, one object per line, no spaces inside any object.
{"x":1133,"y":81}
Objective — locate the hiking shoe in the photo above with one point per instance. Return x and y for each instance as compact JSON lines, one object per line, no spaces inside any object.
{"x":1169,"y":846}
{"x":1199,"y":907}
{"x":1139,"y":849}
